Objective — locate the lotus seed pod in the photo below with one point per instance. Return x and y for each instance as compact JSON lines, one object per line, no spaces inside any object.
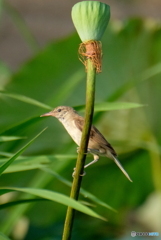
{"x":90,"y":19}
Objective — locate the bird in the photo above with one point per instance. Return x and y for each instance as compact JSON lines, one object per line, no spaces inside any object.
{"x":97,"y":145}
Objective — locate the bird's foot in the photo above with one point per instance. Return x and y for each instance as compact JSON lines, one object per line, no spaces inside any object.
{"x":79,"y":151}
{"x":73,"y":174}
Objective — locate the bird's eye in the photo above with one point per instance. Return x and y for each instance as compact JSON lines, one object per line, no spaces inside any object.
{"x":59,"y":110}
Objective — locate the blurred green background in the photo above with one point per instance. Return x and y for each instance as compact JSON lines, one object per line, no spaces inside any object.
{"x":47,"y":69}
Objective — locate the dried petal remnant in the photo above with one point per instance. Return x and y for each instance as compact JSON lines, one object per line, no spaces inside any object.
{"x":91,"y":50}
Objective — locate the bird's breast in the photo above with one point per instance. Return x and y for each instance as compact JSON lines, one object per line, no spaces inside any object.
{"x":73,"y":131}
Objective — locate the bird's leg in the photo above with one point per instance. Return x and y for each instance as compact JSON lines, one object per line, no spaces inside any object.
{"x":96,"y":158}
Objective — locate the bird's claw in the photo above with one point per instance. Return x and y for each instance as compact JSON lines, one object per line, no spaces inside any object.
{"x":73,"y":174}
{"x":78,"y":150}
{"x":83,"y":174}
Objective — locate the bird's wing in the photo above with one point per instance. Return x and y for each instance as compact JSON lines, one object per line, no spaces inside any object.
{"x":95,"y":136}
{"x":79,"y":122}
{"x":97,"y":139}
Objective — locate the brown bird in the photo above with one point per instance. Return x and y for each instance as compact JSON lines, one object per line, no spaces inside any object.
{"x":98,"y":145}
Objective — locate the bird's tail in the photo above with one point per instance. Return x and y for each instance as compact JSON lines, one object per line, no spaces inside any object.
{"x":121,"y":168}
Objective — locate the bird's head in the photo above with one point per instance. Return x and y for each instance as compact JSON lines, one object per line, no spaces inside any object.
{"x":60,"y":112}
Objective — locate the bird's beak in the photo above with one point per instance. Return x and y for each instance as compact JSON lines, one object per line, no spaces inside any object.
{"x":46,"y":114}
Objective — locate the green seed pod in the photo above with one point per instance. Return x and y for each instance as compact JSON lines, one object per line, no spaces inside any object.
{"x":90,"y":19}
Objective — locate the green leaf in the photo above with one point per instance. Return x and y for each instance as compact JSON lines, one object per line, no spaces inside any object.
{"x":26,"y":99}
{"x":35,"y":162}
{"x":116,"y":106}
{"x":14,"y":203}
{"x":3,"y":237}
{"x":55,"y":196}
{"x":20,"y":168}
{"x":68,"y":86}
{"x":82,"y":191}
{"x":5,"y":72}
{"x":5,"y":165}
{"x":108,"y":106}
{"x":6,"y":154}
{"x":20,"y":125}
{"x":151,"y":72}
{"x":9,"y":138}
